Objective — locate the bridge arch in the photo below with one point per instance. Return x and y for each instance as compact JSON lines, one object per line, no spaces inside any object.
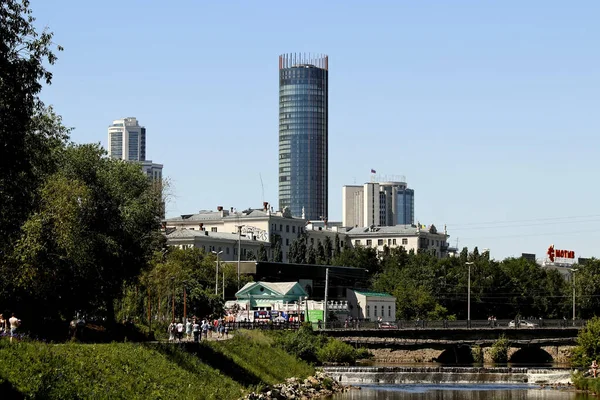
{"x":531,"y":355}
{"x":460,"y":354}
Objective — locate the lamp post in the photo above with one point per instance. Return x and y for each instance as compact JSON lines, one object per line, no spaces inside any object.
{"x":173,"y":299}
{"x":217,"y":271}
{"x":239,"y":227}
{"x":573,"y":278}
{"x":469,"y":295}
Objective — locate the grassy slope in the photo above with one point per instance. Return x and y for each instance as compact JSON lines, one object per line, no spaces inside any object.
{"x":218,"y":370}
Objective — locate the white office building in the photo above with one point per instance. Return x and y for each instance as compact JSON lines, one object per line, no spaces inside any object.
{"x":387,"y":203}
{"x":127,"y":140}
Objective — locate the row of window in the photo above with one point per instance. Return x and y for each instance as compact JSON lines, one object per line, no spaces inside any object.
{"x":382,"y":311}
{"x":381,"y":242}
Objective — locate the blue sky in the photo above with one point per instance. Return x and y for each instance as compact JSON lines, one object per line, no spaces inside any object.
{"x":490,"y":109}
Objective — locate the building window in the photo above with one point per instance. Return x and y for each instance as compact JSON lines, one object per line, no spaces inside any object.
{"x":226,"y":250}
{"x":389,"y":311}
{"x":287,"y":229}
{"x":380,"y":242}
{"x":437,"y":242}
{"x":287,"y":241}
{"x":357,"y":241}
{"x":369,"y":242}
{"x":341,"y":244}
{"x":213,"y":229}
{"x":191,"y":229}
{"x":389,"y":242}
{"x":368,"y":311}
{"x":394,"y":242}
{"x":281,"y":228}
{"x":293,"y":228}
{"x":405,"y":241}
{"x":273,"y":227}
{"x":203,"y":248}
{"x":375,"y":311}
{"x":235,"y":251}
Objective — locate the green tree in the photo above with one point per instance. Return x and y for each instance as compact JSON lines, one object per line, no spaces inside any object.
{"x":311,"y":255}
{"x":328,"y":248}
{"x":262,"y":253}
{"x":588,"y":345}
{"x":32,"y":135}
{"x":336,"y":246}
{"x":250,"y":256}
{"x":321,"y":256}
{"x":298,"y":251}
{"x":95,"y":230}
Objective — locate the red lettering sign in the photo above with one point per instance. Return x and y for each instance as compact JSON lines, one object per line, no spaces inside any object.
{"x":553,"y":253}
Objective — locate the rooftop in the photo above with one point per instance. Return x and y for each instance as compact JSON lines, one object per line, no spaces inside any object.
{"x":231,"y":214}
{"x":188,"y":233}
{"x":372,"y":294}
{"x":393,"y":230}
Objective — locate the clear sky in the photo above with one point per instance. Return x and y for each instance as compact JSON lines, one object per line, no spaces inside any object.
{"x":489,"y":108}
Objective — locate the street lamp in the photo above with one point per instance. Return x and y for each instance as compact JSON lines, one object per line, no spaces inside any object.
{"x":217,"y":271}
{"x":469,"y":295}
{"x":239,"y":227}
{"x":573,"y":278}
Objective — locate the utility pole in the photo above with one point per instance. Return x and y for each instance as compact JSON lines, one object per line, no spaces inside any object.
{"x":184,"y":303}
{"x":149,"y":312}
{"x":325,"y":304}
{"x":469,"y":295}
{"x":217,"y":271}
{"x":239,"y":254}
{"x":573,"y":270}
{"x":223,"y":285}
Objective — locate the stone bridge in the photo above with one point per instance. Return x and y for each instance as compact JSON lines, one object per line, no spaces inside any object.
{"x":543,"y":345}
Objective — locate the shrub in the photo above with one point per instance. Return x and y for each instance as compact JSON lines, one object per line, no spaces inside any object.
{"x":499,"y":350}
{"x":477,"y":353}
{"x":336,"y":351}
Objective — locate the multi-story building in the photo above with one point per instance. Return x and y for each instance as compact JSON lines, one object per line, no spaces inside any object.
{"x":378,"y":204}
{"x":261,"y":225}
{"x":127,"y":140}
{"x":303,"y":119}
{"x":416,"y":238}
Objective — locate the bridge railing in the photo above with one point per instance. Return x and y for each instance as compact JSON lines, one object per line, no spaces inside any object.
{"x":413,"y":324}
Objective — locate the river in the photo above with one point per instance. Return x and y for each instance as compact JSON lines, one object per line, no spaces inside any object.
{"x":459,"y":392}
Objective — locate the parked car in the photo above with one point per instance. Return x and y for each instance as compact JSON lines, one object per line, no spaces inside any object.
{"x":387,"y":325}
{"x":523,"y":324}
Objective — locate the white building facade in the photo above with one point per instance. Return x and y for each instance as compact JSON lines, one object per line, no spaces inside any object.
{"x":263,"y":225}
{"x":379,"y":204}
{"x":371,"y":306}
{"x":127,"y":140}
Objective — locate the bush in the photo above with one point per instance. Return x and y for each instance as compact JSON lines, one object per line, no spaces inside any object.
{"x":499,"y":350}
{"x":588,"y":344}
{"x":338,"y":352}
{"x":477,"y":353}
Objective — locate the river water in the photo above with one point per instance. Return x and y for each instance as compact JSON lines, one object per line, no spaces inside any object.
{"x":459,"y":392}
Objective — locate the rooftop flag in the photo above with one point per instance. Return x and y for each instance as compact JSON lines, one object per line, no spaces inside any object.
{"x":373,"y":171}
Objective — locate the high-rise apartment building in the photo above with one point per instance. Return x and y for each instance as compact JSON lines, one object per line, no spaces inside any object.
{"x":303,"y":82}
{"x":127,"y":140}
{"x":378,"y":204}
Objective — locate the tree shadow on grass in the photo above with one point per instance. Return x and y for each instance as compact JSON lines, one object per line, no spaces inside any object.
{"x":210,"y":357}
{"x":8,"y":390}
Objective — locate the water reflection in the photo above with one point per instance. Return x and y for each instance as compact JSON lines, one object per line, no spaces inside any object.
{"x":459,"y":392}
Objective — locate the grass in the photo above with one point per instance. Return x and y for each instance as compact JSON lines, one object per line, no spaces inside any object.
{"x":214,"y":370}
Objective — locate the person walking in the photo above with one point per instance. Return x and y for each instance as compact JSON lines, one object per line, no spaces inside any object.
{"x":14,"y":325}
{"x":196,"y":330}
{"x":172,"y":331}
{"x":188,"y":330}
{"x":180,"y":329}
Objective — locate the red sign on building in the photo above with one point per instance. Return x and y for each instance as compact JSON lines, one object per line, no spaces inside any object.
{"x":554,"y":253}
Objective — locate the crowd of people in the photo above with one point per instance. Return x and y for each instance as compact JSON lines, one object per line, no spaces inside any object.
{"x":197,"y":330}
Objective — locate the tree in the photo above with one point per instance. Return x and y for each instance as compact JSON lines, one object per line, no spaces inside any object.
{"x":250,"y":256}
{"x":311,"y":255}
{"x":321,"y":256}
{"x":94,"y":231}
{"x":298,"y":252}
{"x":328,"y":247}
{"x":31,"y":134}
{"x":277,"y":253}
{"x":262,"y":253}
{"x":336,"y":246}
{"x":588,"y":346}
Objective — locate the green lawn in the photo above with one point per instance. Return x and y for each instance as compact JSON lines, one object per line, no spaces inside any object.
{"x":213,"y":370}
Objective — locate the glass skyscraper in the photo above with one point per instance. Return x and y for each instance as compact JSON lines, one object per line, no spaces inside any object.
{"x":303,"y":134}
{"x":405,"y":207}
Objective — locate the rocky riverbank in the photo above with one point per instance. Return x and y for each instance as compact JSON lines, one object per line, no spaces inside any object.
{"x":312,"y":387}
